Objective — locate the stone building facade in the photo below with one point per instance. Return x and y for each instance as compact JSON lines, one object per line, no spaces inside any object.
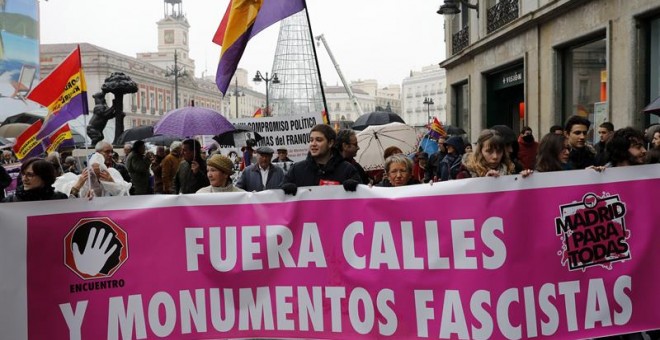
{"x":536,"y":62}
{"x":430,"y":82}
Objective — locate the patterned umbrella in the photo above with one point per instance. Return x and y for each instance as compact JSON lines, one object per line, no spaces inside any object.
{"x":375,"y":139}
{"x":192,"y":121}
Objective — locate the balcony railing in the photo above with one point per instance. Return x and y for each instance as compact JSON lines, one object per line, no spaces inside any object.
{"x":460,"y":40}
{"x":504,"y":12}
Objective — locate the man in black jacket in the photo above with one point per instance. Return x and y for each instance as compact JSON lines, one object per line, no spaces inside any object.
{"x":582,"y":154}
{"x":323,"y":165}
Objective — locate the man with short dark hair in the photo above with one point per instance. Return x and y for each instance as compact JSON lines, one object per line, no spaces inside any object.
{"x":605,"y":132}
{"x":191,"y":175}
{"x":347,"y":145}
{"x":582,"y":155}
{"x":262,"y":175}
{"x":323,"y":165}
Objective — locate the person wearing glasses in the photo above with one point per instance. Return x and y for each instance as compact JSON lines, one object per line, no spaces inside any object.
{"x":398,"y":169}
{"x":582,"y":155}
{"x":37,"y":178}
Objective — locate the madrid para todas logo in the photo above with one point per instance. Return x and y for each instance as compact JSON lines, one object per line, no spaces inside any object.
{"x":593,"y":232}
{"x":95,"y":248}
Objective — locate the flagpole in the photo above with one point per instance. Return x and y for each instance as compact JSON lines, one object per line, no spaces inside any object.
{"x":316,"y":60}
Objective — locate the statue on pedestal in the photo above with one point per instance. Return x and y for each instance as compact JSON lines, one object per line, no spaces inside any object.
{"x":118,"y":84}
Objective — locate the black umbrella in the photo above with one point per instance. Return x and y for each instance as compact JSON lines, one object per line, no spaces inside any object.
{"x":454,"y":130}
{"x":229,"y":138}
{"x":25,"y":118}
{"x":136,"y":133}
{"x":161,"y":140}
{"x":376,"y":118}
{"x":78,"y":139}
{"x":654,"y":107}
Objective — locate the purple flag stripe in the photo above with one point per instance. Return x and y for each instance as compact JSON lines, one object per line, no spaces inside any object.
{"x":76,"y":107}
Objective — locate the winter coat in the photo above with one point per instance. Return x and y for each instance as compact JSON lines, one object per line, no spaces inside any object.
{"x":38,"y":194}
{"x":582,"y":158}
{"x":138,"y":167}
{"x":449,"y":166}
{"x":527,"y":153}
{"x":250,"y":179}
{"x":187,"y":182}
{"x":309,"y":173}
{"x":169,"y":166}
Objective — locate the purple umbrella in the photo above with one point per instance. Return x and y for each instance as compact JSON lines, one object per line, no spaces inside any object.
{"x":192,"y":121}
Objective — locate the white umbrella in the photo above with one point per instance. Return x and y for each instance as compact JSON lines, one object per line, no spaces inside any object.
{"x":376,"y":138}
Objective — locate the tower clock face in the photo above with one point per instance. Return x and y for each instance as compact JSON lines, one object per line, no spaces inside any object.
{"x":169,"y":37}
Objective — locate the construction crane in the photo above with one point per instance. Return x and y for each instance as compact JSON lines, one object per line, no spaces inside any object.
{"x":356,"y":105}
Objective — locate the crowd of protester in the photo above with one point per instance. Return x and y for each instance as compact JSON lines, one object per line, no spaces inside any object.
{"x":185,"y":167}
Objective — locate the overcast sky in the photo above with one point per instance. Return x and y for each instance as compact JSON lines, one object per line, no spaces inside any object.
{"x":371,"y":39}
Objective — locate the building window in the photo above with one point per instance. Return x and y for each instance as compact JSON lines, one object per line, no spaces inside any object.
{"x":462,"y":106}
{"x":584,"y":78}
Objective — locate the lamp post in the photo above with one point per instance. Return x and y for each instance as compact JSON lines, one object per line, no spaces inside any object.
{"x":451,"y":7}
{"x":236,"y":93}
{"x":428,"y":102}
{"x":273,"y":78}
{"x":177,"y":72}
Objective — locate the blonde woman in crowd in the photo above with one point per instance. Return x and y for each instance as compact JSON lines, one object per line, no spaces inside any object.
{"x":489,"y":158}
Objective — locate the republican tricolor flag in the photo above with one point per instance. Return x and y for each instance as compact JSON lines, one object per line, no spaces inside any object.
{"x":63,"y":92}
{"x":242,"y":21}
{"x":436,"y":130}
{"x":27,"y":143}
{"x":57,"y":138}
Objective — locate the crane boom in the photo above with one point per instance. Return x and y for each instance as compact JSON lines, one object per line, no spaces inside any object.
{"x":356,"y":104}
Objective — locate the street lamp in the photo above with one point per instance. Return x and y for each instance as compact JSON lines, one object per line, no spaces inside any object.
{"x":273,"y":78}
{"x":428,"y":102}
{"x":451,"y":7}
{"x":236,"y":93}
{"x":177,"y":72}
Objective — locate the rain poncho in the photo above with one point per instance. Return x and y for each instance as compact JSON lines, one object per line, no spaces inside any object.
{"x":119,"y":187}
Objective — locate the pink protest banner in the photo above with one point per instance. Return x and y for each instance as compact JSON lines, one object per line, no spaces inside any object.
{"x":564,"y":255}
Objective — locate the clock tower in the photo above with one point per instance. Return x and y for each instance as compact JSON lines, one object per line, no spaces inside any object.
{"x":172,"y":38}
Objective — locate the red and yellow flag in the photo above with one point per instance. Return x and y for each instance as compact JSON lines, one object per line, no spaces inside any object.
{"x":28,"y":141}
{"x":58,"y":137}
{"x":258,"y":113}
{"x":436,"y":129}
{"x":63,"y":92}
{"x":242,"y":21}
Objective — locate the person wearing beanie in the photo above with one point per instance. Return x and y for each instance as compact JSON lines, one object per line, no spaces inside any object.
{"x":219,"y":169}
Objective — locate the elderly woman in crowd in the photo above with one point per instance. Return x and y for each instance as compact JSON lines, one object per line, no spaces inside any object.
{"x":553,"y":153}
{"x":37,"y":178}
{"x":398,"y":169}
{"x":219,"y":169}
